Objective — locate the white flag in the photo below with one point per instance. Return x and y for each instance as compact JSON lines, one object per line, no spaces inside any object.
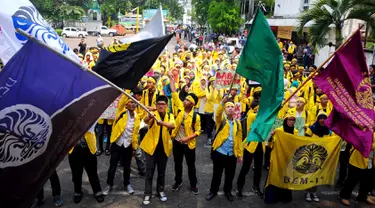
{"x":21,"y":14}
{"x":155,"y":28}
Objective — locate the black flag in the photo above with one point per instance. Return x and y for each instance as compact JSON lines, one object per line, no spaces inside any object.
{"x":125,"y":64}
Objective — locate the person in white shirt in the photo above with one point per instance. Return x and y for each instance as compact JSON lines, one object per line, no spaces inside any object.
{"x":124,"y":141}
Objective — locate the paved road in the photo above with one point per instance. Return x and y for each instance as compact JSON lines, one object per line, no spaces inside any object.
{"x":181,"y":199}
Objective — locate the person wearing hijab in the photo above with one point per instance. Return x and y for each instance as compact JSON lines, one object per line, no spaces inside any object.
{"x":211,"y":94}
{"x":318,"y":129}
{"x":184,"y":91}
{"x":200,"y":92}
{"x":272,"y":193}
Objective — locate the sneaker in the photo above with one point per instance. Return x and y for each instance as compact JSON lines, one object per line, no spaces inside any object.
{"x":308,"y":197}
{"x":107,"y":152}
{"x":77,"y":198}
{"x":176,"y":186}
{"x":98,"y":153}
{"x":194,"y":190}
{"x":162,"y":197}
{"x":129,"y":189}
{"x":315,"y":197}
{"x":146,"y":200}
{"x":257,"y":191}
{"x":37,"y":203}
{"x":58,"y":201}
{"x":239,"y":193}
{"x":99,"y":197}
{"x":107,"y":190}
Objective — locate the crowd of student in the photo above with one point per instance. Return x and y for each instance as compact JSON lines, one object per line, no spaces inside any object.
{"x":180,"y":92}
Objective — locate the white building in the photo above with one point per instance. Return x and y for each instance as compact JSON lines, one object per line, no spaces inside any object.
{"x":286,"y":13}
{"x":187,"y":11}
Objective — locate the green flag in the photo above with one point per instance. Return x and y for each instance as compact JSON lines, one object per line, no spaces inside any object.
{"x":262,"y":61}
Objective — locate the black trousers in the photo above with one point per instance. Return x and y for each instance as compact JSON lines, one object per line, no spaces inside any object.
{"x":81,"y":158}
{"x":102,"y":130}
{"x":179,"y":151}
{"x":55,"y":185}
{"x":221,"y":163}
{"x":117,"y":153}
{"x":355,"y":176}
{"x":247,"y":159}
{"x":203,"y":121}
{"x":160,"y":160}
{"x":210,"y":124}
{"x":267,"y":157}
{"x":344,"y":163}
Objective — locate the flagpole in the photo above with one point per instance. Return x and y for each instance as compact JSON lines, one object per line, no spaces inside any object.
{"x":231,"y":84}
{"x":84,"y":68}
{"x":321,"y":66}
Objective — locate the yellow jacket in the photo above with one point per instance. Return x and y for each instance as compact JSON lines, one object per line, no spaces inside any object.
{"x":200,"y":93}
{"x":145,"y":100}
{"x":177,"y":104}
{"x":223,"y":135}
{"x":91,"y":142}
{"x":151,"y":139}
{"x":210,"y":99}
{"x":357,"y":159}
{"x":252,"y":146}
{"x":120,"y":124}
{"x":316,"y":109}
{"x":188,"y":124}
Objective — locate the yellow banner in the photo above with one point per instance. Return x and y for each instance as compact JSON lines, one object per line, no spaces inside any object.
{"x":284,"y":32}
{"x":299,"y":163}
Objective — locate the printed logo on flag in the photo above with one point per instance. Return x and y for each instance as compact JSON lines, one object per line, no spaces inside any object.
{"x":309,"y":158}
{"x":28,"y":19}
{"x":364,"y":94}
{"x":24,"y":134}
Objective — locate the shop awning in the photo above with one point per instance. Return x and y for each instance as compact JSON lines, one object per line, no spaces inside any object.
{"x":282,"y":22}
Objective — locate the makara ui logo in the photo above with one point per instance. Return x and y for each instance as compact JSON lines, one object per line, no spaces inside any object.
{"x":28,"y":19}
{"x":309,"y":158}
{"x":25,"y":131}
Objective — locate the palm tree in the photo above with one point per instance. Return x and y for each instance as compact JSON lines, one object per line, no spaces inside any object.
{"x":335,"y":12}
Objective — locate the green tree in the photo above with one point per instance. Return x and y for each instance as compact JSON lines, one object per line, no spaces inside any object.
{"x":69,"y":12}
{"x":224,"y":17}
{"x":335,"y":12}
{"x":199,"y":12}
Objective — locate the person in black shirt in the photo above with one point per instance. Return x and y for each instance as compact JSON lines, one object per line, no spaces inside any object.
{"x":82,"y":47}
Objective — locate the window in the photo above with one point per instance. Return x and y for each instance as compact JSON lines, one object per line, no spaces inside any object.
{"x":104,"y":28}
{"x":305,"y":8}
{"x":306,"y":1}
{"x":73,"y":29}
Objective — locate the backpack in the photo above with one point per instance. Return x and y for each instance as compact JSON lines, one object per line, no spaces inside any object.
{"x":194,"y":118}
{"x":170,"y":130}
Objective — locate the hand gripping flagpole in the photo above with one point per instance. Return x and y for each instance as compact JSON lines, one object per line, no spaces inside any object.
{"x":321,"y":66}
{"x":84,"y":68}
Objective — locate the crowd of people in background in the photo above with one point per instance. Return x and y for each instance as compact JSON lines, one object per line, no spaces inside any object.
{"x":180,"y":91}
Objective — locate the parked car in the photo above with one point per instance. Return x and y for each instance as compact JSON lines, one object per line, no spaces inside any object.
{"x":105,"y":31}
{"x":232,"y":43}
{"x":73,"y":32}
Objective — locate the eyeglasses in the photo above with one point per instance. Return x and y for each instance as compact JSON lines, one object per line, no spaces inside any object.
{"x":291,"y":119}
{"x":161,"y":103}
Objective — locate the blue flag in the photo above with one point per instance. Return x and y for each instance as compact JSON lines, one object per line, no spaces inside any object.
{"x":46,"y":105}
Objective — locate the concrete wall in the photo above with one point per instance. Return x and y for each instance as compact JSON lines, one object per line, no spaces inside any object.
{"x":287,"y":8}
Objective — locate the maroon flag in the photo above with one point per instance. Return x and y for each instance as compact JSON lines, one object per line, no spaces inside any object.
{"x":346,"y":83}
